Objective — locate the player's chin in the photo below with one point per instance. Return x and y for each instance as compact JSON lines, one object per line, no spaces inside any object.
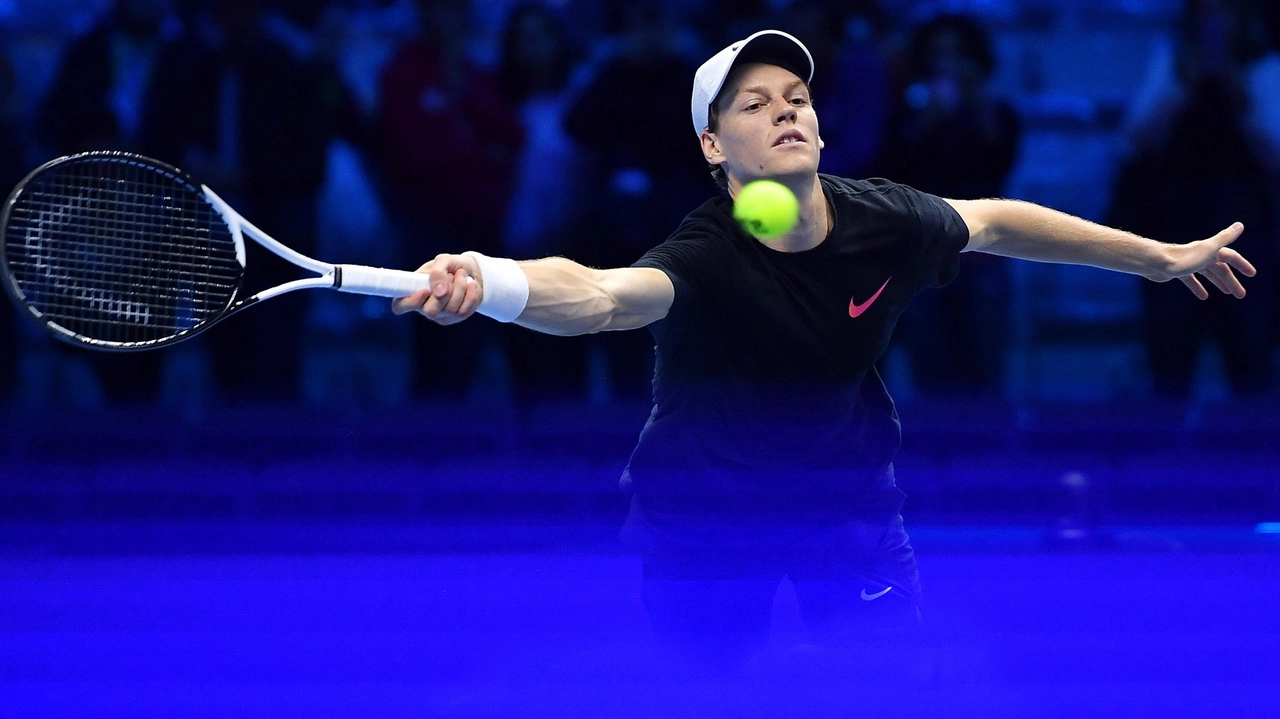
{"x":784,"y":171}
{"x":793,"y":162}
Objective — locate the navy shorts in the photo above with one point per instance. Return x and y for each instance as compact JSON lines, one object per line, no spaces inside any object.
{"x":855,"y":581}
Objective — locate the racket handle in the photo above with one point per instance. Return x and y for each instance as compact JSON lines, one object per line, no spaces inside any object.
{"x":378,"y":281}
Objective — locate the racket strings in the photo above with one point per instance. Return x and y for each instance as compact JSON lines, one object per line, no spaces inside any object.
{"x":115,"y":291}
{"x":120,"y":252}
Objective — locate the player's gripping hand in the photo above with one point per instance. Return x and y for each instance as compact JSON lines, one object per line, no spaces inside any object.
{"x":455,"y":292}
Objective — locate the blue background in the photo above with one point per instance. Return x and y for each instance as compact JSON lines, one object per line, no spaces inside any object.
{"x":357,"y":542}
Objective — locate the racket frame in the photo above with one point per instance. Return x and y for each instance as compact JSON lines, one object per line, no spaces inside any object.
{"x":355,"y":279}
{"x":66,"y":335}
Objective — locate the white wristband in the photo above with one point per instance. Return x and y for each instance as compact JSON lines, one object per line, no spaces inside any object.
{"x":505,"y":287}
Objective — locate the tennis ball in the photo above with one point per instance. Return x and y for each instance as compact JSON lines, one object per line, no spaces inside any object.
{"x":766,"y":209}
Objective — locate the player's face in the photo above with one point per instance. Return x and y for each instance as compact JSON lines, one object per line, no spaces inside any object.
{"x":767,"y":129}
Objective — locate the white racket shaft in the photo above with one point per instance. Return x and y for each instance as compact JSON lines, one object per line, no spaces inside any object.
{"x":356,"y":279}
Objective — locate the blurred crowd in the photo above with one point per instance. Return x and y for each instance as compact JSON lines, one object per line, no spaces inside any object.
{"x":372,"y":132}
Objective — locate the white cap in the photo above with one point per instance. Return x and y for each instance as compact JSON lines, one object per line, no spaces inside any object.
{"x":772,"y":47}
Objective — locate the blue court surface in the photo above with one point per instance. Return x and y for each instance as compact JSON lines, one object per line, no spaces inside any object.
{"x":356,"y":620}
{"x":300,"y":565}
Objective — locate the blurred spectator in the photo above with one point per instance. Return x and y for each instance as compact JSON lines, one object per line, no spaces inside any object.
{"x":647,"y":174}
{"x":8,"y":350}
{"x":13,"y":163}
{"x":947,"y":133}
{"x":105,"y":91}
{"x":365,"y":34}
{"x":355,"y":354}
{"x":252,"y":109}
{"x":851,"y":81}
{"x":535,"y":71}
{"x":950,"y":137}
{"x":12,"y":170}
{"x":534,"y":77}
{"x":451,"y":141}
{"x":107,"y":95}
{"x":451,"y":136}
{"x":251,"y":106}
{"x":722,"y":22}
{"x":1205,"y":132}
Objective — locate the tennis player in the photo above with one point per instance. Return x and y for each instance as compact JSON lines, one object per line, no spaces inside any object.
{"x":770,"y":446}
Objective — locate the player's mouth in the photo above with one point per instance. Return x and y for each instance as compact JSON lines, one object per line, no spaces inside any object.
{"x":790,"y":137}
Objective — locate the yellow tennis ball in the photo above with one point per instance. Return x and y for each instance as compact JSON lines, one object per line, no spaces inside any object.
{"x":766,"y":209}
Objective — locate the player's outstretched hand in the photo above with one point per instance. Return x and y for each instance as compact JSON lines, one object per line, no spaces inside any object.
{"x":454,"y":295}
{"x":1212,"y":259}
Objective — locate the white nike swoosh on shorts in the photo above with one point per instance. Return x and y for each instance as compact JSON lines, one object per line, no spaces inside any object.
{"x":877,"y":595}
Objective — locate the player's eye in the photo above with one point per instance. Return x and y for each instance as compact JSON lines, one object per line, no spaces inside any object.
{"x":752,"y":107}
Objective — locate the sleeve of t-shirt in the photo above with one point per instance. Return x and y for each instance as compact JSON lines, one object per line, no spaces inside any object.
{"x":690,"y":258}
{"x":941,"y":237}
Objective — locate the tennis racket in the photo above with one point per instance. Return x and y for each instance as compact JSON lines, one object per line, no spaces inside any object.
{"x":116,"y":251}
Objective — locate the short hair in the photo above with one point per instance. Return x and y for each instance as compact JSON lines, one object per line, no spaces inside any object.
{"x":718,"y":174}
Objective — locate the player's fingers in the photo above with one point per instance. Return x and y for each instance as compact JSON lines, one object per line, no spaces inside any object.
{"x":440,"y":273}
{"x":425,"y":268}
{"x":1212,"y":274}
{"x":471,"y":300}
{"x":1226,"y":280}
{"x":1229,"y":235}
{"x":1194,"y":285}
{"x":433,"y":306}
{"x":410,"y":303}
{"x":1237,"y":261}
{"x":457,"y":293}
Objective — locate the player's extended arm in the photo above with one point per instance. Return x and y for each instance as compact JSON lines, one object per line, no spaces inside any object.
{"x":1031,"y":232}
{"x":565,"y":298}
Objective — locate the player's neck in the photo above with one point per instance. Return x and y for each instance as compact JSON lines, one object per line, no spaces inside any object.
{"x":816,"y":218}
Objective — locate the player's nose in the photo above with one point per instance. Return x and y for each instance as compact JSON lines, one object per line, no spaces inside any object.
{"x":788,"y":114}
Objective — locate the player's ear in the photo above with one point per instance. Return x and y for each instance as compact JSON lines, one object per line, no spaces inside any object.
{"x":711,"y":148}
{"x":821,"y":143}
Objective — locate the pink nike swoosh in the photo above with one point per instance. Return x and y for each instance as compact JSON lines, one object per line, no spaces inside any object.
{"x":856,"y":309}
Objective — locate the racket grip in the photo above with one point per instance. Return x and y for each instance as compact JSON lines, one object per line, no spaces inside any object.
{"x":377,"y":281}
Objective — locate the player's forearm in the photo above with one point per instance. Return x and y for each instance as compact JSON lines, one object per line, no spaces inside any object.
{"x":1031,"y":232}
{"x":565,"y":298}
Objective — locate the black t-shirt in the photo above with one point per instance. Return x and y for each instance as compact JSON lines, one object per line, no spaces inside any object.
{"x":766,"y":398}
